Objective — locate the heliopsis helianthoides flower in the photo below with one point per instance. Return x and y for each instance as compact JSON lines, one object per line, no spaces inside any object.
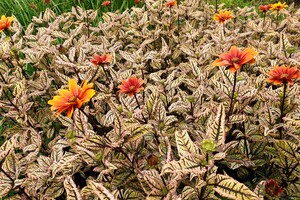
{"x":278,"y":6}
{"x":131,"y":86}
{"x":235,"y":58}
{"x":106,"y":3}
{"x":272,"y":188}
{"x":283,"y":74}
{"x":265,"y":8}
{"x":71,"y":98}
{"x":5,"y":22}
{"x":223,"y":16}
{"x":170,"y":4}
{"x":103,"y":59}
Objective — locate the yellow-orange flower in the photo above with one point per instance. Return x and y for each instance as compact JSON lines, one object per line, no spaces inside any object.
{"x":235,"y":58}
{"x":5,"y":22}
{"x":170,"y":4}
{"x":73,"y":97}
{"x":283,"y":74}
{"x":131,"y":86}
{"x":223,"y":16}
{"x":278,"y":6}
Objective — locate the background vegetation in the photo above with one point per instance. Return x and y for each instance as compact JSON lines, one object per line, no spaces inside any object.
{"x":24,"y":10}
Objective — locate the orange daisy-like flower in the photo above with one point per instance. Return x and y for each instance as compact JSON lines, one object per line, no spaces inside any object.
{"x":131,"y":86}
{"x":235,"y":58}
{"x":265,"y":8}
{"x":73,"y":97}
{"x":170,"y":4}
{"x":223,"y":16}
{"x":103,"y":59}
{"x":278,"y":6}
{"x":283,"y":74}
{"x":5,"y":22}
{"x":106,"y":3}
{"x":272,"y":188}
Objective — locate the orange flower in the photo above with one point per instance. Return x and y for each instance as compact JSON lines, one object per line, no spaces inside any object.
{"x":223,"y":16}
{"x":265,"y":8}
{"x":131,"y":86}
{"x":272,"y":188}
{"x":283,"y":74}
{"x":235,"y":58}
{"x":137,"y":1}
{"x":73,"y":97}
{"x":278,"y":6}
{"x":103,"y":59}
{"x":5,"y":22}
{"x":170,"y":4}
{"x":106,"y":3}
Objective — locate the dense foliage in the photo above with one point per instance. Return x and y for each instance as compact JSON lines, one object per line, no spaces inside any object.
{"x":152,"y":116}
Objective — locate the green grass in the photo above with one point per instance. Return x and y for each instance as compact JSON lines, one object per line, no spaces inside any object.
{"x":24,"y":10}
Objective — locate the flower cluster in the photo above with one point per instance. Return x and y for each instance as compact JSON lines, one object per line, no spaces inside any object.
{"x":276,"y":7}
{"x":272,"y":188}
{"x":235,"y":58}
{"x":283,"y":74}
{"x":265,"y":8}
{"x":131,"y":86}
{"x":223,"y":16}
{"x":171,"y":4}
{"x":5,"y":22}
{"x":101,"y":59}
{"x":72,"y":98}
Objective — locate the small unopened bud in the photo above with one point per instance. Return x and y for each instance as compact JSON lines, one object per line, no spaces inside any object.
{"x":120,"y":108}
{"x":98,"y":156}
{"x":191,"y":99}
{"x":208,"y":145}
{"x":129,"y":114}
{"x":152,"y":160}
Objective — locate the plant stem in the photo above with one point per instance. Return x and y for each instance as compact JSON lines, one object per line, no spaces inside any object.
{"x":264,"y":18}
{"x":94,"y":123}
{"x":282,"y":109}
{"x":140,"y":108}
{"x":201,"y":195}
{"x":105,"y":72}
{"x":96,"y":72}
{"x":216,"y":6}
{"x":232,"y":97}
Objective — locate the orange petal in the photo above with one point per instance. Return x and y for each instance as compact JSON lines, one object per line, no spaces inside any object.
{"x":247,"y":55}
{"x":73,"y":87}
{"x":232,"y":69}
{"x":70,"y":111}
{"x":65,"y":93}
{"x":234,"y":52}
{"x":220,"y":62}
{"x":88,"y":95}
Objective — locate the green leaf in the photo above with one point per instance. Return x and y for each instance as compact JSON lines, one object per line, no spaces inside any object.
{"x":216,"y":129}
{"x":100,"y":191}
{"x":72,"y":191}
{"x":286,"y":148}
{"x":232,"y":189}
{"x":184,"y":144}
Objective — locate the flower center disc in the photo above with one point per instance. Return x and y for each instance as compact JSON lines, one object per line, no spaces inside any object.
{"x":72,"y":100}
{"x":131,"y":87}
{"x":284,"y":76}
{"x":235,"y":60}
